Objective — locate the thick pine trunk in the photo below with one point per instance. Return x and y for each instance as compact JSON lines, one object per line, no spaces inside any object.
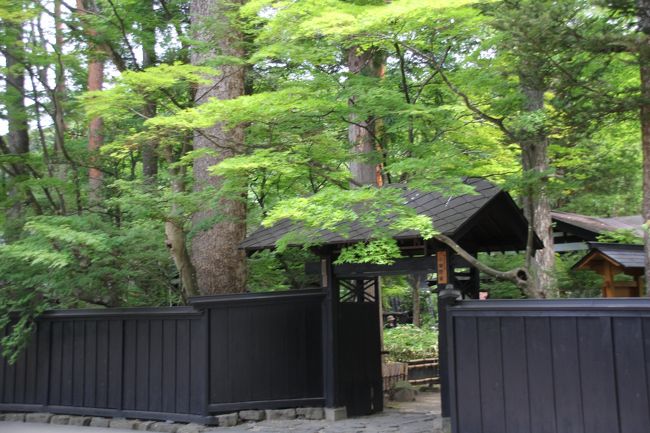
{"x":643,"y":8}
{"x":537,"y":208}
{"x":95,"y":129}
{"x":220,"y":264}
{"x":18,"y":130}
{"x":366,"y":167}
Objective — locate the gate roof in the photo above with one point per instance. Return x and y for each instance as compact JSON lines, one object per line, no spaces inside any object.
{"x":488,"y":220}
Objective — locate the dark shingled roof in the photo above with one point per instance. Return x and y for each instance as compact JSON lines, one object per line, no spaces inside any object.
{"x":450,"y":215}
{"x":626,"y":255}
{"x":598,"y":225}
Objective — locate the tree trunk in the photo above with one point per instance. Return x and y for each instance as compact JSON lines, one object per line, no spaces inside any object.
{"x":175,"y":232}
{"x":415,"y":280}
{"x":95,"y":135}
{"x":220,"y":264}
{"x":149,"y":155}
{"x":95,"y":129}
{"x":59,"y":91}
{"x":537,"y":208}
{"x":643,"y":9}
{"x":18,"y":130}
{"x":365,"y":168}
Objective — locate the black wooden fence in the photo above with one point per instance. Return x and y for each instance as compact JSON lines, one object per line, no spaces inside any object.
{"x":566,"y":366}
{"x":221,"y":354}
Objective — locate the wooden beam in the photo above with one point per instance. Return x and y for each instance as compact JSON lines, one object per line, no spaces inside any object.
{"x":407,"y":265}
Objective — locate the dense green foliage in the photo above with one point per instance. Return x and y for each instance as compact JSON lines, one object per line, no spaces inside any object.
{"x":571,"y":283}
{"x":407,"y":342}
{"x":447,"y":103}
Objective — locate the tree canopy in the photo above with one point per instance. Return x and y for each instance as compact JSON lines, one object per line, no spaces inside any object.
{"x":132,"y":128}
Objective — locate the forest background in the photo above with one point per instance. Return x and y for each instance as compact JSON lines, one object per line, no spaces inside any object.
{"x":140,"y":140}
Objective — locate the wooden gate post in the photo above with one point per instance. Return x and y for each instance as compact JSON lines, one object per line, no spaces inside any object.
{"x":330,"y":286}
{"x":447,"y":297}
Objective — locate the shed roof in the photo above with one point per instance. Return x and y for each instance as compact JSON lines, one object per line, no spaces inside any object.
{"x":488,"y":220}
{"x":624,"y":255}
{"x":597,"y":225}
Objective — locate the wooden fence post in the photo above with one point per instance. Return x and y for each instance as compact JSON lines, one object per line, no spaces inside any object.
{"x":447,"y":297}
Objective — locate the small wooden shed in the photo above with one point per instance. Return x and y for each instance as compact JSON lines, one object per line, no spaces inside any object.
{"x":610,"y":260}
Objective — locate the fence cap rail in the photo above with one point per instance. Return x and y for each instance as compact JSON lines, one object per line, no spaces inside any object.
{"x":95,"y":313}
{"x":599,"y":304}
{"x":205,"y":301}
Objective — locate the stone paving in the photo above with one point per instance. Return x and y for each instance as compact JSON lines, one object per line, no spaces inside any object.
{"x":388,"y":421}
{"x":421,"y":416}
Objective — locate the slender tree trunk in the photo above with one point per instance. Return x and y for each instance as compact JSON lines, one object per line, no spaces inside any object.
{"x":95,"y":135}
{"x":366,"y":167}
{"x":18,"y":130}
{"x":59,"y":87}
{"x":537,"y":208}
{"x":220,"y":264}
{"x":415,"y":280}
{"x":149,"y":155}
{"x":175,"y":232}
{"x":643,"y":9}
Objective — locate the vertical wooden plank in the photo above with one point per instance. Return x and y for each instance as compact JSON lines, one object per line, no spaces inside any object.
{"x":21,"y":378}
{"x":219,"y":349}
{"x":142,"y":365}
{"x":598,"y":375}
{"x":235,"y":352}
{"x":90,"y":373}
{"x":515,"y":380}
{"x":66,"y":372}
{"x":3,"y":364}
{"x":155,"y":365}
{"x":491,"y":375}
{"x":115,"y":363}
{"x":645,"y":323}
{"x":566,"y":375}
{"x":169,"y":366}
{"x":300,"y":365}
{"x":130,"y":365}
{"x":183,"y":366}
{"x":278,"y":355}
{"x":632,"y":380}
{"x":10,"y":377}
{"x":261,"y":376}
{"x":44,"y":360}
{"x":468,"y":395}
{"x":314,"y":348}
{"x":101,"y":391}
{"x":78,"y":363}
{"x":540,"y":374}
{"x":239,"y":343}
{"x":9,"y":395}
{"x":31,"y":369}
{"x":199,"y":372}
{"x":56,"y":373}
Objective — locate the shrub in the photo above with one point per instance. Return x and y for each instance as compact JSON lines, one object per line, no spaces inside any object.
{"x":407,"y":342}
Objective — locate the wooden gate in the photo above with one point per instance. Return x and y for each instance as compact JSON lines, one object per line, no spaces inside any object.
{"x":359,"y":355}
